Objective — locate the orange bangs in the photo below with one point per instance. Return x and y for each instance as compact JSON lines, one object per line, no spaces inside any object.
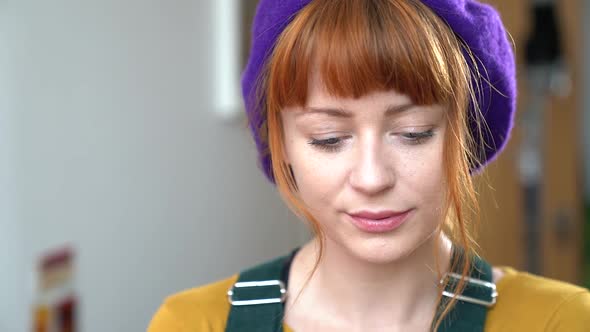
{"x":360,"y":47}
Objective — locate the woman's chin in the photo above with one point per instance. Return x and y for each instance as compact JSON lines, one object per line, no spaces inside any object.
{"x":380,"y":251}
{"x":386,"y":249}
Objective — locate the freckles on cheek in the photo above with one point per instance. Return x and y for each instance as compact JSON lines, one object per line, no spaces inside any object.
{"x":425,"y":172}
{"x":316,"y":182}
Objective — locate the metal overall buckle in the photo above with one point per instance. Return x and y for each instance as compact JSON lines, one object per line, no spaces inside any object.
{"x":251,"y":284}
{"x":474,"y":282}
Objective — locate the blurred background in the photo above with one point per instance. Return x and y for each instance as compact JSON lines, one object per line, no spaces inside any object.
{"x":127,"y":172}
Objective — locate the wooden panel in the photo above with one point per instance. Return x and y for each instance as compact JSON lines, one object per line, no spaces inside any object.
{"x":502,"y":233}
{"x":563,"y":197}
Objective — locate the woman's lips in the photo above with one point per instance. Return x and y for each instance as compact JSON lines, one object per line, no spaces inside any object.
{"x":378,"y":222}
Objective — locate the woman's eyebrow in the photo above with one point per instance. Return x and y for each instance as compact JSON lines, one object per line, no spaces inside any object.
{"x":342,"y":113}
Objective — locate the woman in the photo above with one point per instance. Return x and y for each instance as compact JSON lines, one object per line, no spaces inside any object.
{"x":371,"y":116}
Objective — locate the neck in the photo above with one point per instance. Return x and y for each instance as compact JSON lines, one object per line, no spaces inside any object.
{"x":353,"y":292}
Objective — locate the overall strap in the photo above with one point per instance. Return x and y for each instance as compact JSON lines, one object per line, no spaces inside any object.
{"x":257,"y":299}
{"x":469,"y":311}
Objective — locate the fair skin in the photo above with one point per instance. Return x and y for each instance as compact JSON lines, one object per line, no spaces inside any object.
{"x":374,"y":153}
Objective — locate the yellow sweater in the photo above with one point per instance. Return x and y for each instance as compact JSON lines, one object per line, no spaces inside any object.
{"x":525,"y":303}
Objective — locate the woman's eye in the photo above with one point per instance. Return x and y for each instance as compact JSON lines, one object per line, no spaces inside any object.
{"x":329,"y":144}
{"x":333,"y":144}
{"x":418,"y":137}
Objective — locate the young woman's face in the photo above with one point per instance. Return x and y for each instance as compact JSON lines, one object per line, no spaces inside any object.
{"x":369,"y":169}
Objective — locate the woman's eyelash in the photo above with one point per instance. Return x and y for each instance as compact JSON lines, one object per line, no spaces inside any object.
{"x":418,"y":137}
{"x":329,"y":144}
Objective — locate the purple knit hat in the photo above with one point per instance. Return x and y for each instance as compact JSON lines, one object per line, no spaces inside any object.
{"x":478,"y":25}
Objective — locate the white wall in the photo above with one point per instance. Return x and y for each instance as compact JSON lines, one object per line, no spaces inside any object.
{"x":117,"y":152}
{"x":12,"y":278}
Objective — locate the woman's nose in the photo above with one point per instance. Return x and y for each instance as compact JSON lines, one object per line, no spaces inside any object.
{"x":372,"y":172}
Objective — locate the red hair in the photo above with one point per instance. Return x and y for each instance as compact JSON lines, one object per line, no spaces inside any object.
{"x":360,"y":47}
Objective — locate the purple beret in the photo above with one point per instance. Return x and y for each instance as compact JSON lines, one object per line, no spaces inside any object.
{"x":478,"y":25}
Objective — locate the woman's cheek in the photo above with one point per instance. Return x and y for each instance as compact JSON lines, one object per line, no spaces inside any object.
{"x":317,"y":181}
